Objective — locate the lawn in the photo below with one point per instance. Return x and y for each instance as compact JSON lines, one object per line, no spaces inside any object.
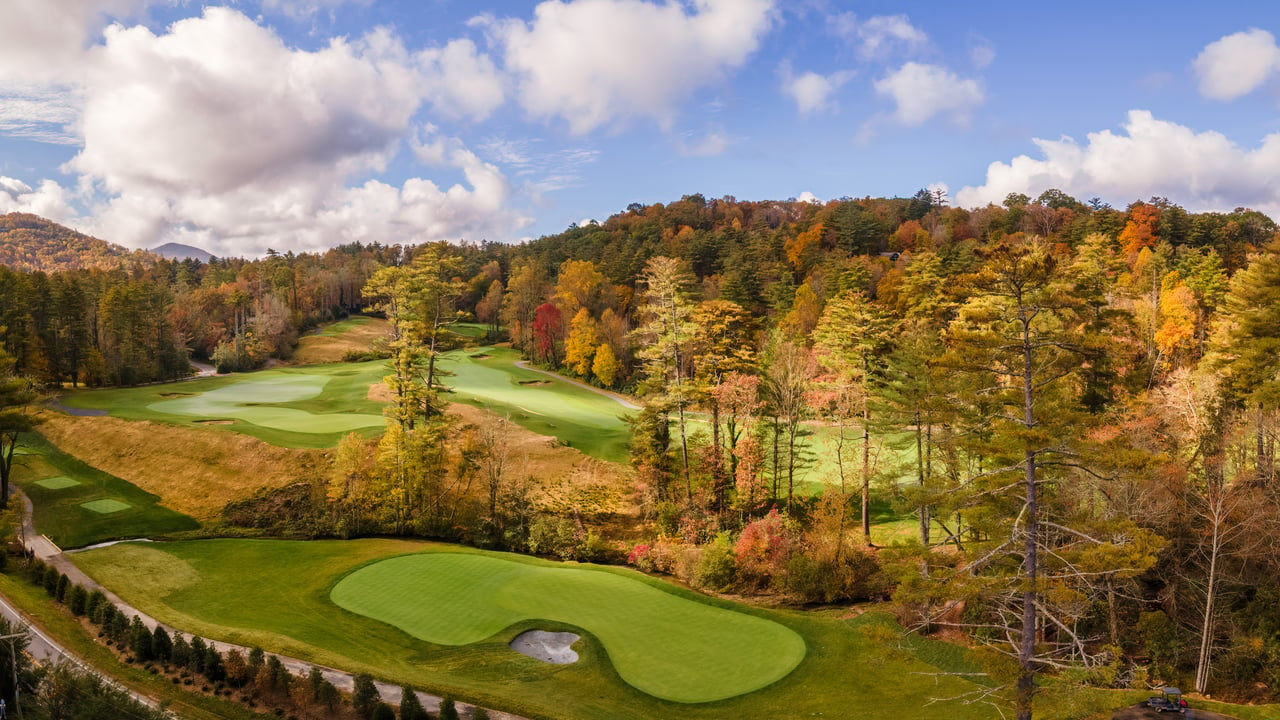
{"x":77,"y":505}
{"x":277,"y":594}
{"x":488,"y":378}
{"x":663,"y":644}
{"x":295,"y":407}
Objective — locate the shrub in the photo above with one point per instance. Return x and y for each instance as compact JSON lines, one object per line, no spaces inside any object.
{"x":716,"y":568}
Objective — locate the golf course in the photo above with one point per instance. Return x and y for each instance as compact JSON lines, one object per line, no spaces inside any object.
{"x":441,"y":616}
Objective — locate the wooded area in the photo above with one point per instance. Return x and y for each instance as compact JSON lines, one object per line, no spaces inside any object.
{"x":1077,"y":405}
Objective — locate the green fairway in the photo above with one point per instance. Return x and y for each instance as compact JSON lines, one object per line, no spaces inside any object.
{"x":488,"y":378}
{"x":278,"y":594}
{"x":663,"y":644}
{"x":77,"y":505}
{"x":304,"y":407}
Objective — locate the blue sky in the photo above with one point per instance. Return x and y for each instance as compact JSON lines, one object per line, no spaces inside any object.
{"x":299,"y":124}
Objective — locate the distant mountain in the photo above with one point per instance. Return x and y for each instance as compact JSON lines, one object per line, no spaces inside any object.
{"x":30,"y":242}
{"x":178,"y":251}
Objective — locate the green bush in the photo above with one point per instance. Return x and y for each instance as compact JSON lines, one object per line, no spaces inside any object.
{"x":716,"y":568}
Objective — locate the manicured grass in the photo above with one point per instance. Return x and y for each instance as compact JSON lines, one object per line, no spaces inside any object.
{"x":57,"y":483}
{"x":488,"y":378}
{"x":302,"y":407}
{"x":77,"y":505}
{"x":105,"y":507}
{"x":277,"y":594}
{"x":73,"y":635}
{"x":665,"y":645}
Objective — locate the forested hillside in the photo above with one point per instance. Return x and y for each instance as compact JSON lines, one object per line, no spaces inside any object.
{"x":1070,"y":408}
{"x":29,"y":242}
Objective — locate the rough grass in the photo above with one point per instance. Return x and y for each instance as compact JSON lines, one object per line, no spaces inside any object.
{"x":668,"y":646}
{"x":196,"y":472}
{"x":69,"y":513}
{"x":580,"y":418}
{"x":331,"y":343}
{"x":305,"y":407}
{"x":277,"y":594}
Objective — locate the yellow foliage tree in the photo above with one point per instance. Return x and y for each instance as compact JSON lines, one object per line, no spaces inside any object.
{"x":606,"y":366}
{"x":580,"y":348}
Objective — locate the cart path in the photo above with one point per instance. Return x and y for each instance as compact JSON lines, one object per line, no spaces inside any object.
{"x":43,"y":548}
{"x":620,"y":399}
{"x":1142,"y":712}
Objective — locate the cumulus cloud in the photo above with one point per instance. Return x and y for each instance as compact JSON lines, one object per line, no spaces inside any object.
{"x":1201,"y":170}
{"x":49,"y":200}
{"x":595,"y":63}
{"x":216,"y":132}
{"x":244,"y":109}
{"x":44,"y":42}
{"x":811,"y":91}
{"x":1237,"y":64}
{"x":922,"y":91}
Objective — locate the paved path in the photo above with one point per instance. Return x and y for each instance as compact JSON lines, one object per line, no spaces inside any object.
{"x":1141,"y":712}
{"x":620,"y":399}
{"x":51,"y":554}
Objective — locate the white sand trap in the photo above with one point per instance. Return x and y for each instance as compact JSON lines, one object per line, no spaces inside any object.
{"x":549,"y":647}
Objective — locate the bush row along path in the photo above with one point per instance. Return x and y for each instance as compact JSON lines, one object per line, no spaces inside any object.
{"x":51,"y":554}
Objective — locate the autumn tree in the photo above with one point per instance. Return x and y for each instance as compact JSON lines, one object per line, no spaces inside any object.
{"x":665,"y":334}
{"x":580,"y":347}
{"x":851,"y":339}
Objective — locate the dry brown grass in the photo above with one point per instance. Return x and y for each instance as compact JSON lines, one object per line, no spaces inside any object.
{"x":564,"y":479}
{"x":193,"y":471}
{"x":319,"y":349}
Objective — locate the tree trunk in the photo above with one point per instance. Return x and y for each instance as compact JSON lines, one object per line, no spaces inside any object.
{"x":1030,"y":567}
{"x":1204,"y":660}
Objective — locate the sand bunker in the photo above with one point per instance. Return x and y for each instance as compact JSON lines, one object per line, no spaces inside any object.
{"x":216,"y":422}
{"x":549,"y":647}
{"x":535,"y":382}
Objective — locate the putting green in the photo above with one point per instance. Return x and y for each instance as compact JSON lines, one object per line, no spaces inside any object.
{"x":57,"y":483}
{"x":105,"y":507}
{"x":670,"y":647}
{"x":251,"y":401}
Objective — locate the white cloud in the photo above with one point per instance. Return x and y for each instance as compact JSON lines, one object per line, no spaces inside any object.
{"x":1237,"y":64}
{"x":808,"y":197}
{"x":600,"y":62}
{"x":460,"y":82}
{"x":215,"y":131}
{"x":1201,"y":170}
{"x":882,"y":33}
{"x":982,"y":55}
{"x":42,"y":41}
{"x":811,"y":91}
{"x":38,"y":112}
{"x":709,"y":145}
{"x":922,"y":91}
{"x":49,"y":200}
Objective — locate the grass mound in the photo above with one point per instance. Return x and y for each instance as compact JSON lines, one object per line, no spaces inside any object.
{"x":333,"y":342}
{"x":668,"y":646}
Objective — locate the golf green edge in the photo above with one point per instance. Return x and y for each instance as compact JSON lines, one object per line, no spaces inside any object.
{"x":667,"y":646}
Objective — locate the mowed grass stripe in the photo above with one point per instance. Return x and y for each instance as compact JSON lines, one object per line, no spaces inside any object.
{"x":668,"y":646}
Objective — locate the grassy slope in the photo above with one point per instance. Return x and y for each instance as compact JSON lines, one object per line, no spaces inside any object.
{"x":659,"y":642}
{"x":276,"y":593}
{"x":59,"y":513}
{"x":72,"y":634}
{"x":582,"y":419}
